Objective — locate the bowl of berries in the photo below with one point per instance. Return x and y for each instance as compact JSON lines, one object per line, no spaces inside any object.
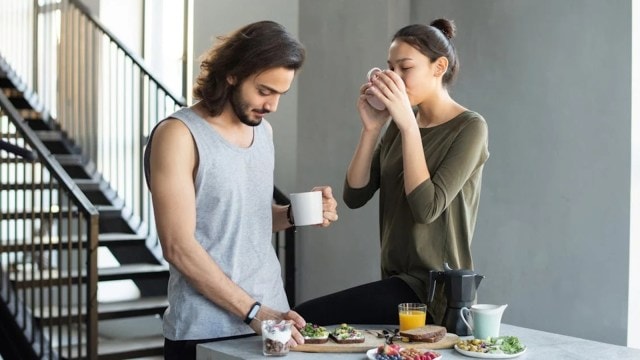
{"x":395,"y":352}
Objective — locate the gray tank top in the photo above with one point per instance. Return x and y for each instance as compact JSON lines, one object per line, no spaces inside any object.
{"x":234,"y":192}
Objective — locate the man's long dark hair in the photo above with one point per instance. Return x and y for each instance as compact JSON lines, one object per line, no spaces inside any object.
{"x":250,"y":50}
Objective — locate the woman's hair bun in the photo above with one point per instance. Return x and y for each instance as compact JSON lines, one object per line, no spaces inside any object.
{"x":447,"y":27}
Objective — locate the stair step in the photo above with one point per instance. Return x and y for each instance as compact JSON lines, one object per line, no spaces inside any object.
{"x":19,"y":102}
{"x":106,"y":239}
{"x":50,"y":135}
{"x":45,"y":278}
{"x":35,"y":122}
{"x":111,"y":220}
{"x":107,"y":212}
{"x":5,"y":83}
{"x":59,"y":147}
{"x":131,"y":348}
{"x":57,"y":143}
{"x":11,"y":91}
{"x":73,"y":165}
{"x":125,"y":338}
{"x":114,"y":310}
{"x":17,"y":97}
{"x":133,"y":272}
{"x":97,"y":196}
{"x":121,"y":349}
{"x":30,"y":114}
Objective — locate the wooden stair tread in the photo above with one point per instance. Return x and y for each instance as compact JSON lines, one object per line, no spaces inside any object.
{"x":130,"y":271}
{"x":109,"y":349}
{"x":152,"y":304}
{"x":122,"y":272}
{"x":55,"y":240}
{"x":111,"y":310}
{"x":135,"y":347}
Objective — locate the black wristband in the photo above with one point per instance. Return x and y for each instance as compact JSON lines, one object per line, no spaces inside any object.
{"x":290,"y":216}
{"x":253,"y":311}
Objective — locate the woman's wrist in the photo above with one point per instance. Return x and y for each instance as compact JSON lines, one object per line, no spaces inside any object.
{"x":408,"y":127}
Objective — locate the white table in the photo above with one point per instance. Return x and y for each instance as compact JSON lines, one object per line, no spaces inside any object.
{"x":540,"y":346}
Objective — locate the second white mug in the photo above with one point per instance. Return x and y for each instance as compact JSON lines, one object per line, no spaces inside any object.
{"x":306,"y":208}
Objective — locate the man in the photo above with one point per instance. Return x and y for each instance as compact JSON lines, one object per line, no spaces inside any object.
{"x":209,"y":168}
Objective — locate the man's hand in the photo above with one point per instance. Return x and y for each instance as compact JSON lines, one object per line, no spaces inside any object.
{"x":329,"y":205}
{"x":267,"y":313}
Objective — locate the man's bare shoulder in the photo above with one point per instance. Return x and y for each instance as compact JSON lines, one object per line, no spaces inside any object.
{"x":172,"y":139}
{"x":171,"y":126}
{"x":171,"y":132}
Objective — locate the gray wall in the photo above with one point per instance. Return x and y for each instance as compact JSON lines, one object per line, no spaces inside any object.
{"x":214,"y":18}
{"x":552,"y":80}
{"x":344,"y":40}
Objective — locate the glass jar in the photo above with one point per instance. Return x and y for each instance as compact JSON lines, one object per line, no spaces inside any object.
{"x":275,"y":337}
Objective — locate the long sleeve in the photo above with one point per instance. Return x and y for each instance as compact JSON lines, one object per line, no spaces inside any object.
{"x":355,"y":198}
{"x":466,"y":155}
{"x":435,"y":222}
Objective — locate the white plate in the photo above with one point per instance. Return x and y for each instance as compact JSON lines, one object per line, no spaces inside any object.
{"x":371,"y":354}
{"x":488,"y":356}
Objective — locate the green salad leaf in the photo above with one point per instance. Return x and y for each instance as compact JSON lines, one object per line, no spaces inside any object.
{"x":505,"y":344}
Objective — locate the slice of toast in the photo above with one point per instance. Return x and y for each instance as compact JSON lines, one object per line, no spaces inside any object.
{"x":427,"y":333}
{"x":345,"y":334}
{"x":316,"y":340}
{"x":314,"y":334}
{"x":349,"y":340}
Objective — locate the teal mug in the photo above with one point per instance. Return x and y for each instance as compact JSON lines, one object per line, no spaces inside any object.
{"x":485,"y":319}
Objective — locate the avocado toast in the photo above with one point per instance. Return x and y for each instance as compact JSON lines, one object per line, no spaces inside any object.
{"x":314,"y":334}
{"x":345,"y":334}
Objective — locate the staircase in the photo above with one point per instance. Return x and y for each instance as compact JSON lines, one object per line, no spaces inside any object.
{"x":127,"y":328}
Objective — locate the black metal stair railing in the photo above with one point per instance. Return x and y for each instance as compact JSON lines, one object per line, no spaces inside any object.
{"x":94,"y":88}
{"x":47,"y":228}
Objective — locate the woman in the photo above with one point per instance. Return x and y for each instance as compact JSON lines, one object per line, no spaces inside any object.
{"x":428,"y":168}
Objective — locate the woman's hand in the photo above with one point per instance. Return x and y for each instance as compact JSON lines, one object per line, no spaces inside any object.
{"x":372,"y":119}
{"x":389,"y":88}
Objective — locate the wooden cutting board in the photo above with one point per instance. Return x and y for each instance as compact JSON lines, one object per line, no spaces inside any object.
{"x":371,"y":341}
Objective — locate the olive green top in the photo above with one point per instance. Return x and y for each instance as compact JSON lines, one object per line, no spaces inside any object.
{"x":435,"y":222}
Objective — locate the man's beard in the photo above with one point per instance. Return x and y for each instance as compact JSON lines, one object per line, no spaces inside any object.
{"x":242,"y":109}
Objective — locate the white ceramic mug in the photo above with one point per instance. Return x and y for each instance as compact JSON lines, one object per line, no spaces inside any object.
{"x":306,"y":208}
{"x":486,"y":319}
{"x":373,"y":101}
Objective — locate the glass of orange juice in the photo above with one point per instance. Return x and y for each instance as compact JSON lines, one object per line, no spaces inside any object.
{"x":412,"y":315}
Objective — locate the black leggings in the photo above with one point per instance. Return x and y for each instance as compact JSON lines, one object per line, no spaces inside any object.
{"x":372,"y":303}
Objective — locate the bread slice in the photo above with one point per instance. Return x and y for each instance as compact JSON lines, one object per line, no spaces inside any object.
{"x":316,"y":340}
{"x":351,"y":340}
{"x":427,"y":333}
{"x":314,"y":334}
{"x":345,"y":334}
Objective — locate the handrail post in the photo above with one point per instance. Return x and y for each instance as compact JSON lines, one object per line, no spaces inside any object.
{"x":92,"y":287}
{"x":187,"y":47}
{"x":34,"y":63}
